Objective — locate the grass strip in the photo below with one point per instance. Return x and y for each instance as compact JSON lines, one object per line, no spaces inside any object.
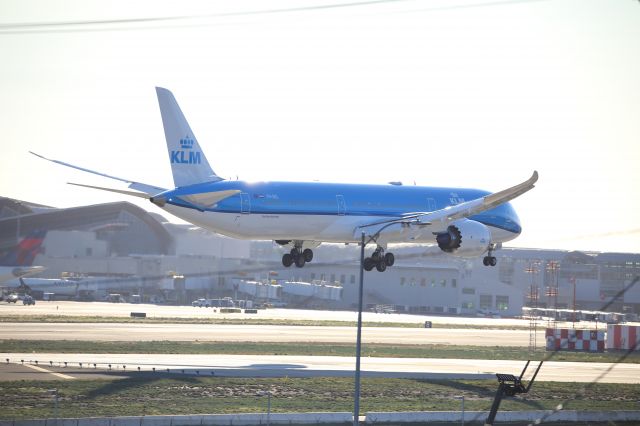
{"x":157,"y":394}
{"x":319,"y":349}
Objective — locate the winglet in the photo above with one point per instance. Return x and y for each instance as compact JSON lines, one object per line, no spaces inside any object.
{"x":513,"y":192}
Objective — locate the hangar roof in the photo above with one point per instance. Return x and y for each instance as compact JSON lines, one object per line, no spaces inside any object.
{"x":30,"y":216}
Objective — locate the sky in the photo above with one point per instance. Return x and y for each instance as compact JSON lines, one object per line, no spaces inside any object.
{"x":456,"y":93}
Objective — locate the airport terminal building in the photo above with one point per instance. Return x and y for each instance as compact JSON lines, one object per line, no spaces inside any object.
{"x":436,"y":283}
{"x":131,"y":251}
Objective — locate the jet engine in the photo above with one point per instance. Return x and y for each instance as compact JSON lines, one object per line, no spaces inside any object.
{"x":465,"y":238}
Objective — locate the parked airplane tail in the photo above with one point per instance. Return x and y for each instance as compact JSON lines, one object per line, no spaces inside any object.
{"x":26,"y":251}
{"x":188,"y":163}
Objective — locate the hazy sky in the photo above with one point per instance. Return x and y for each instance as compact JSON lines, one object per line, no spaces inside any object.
{"x":466,"y":93}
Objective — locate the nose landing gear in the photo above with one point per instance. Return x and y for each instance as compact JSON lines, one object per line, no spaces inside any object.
{"x":490,"y":260}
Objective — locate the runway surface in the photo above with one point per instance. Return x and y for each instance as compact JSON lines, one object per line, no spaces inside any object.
{"x":489,"y":336}
{"x":102,"y":309}
{"x":12,"y":372}
{"x":277,"y":366}
{"x":310,"y":366}
{"x":263,"y":333}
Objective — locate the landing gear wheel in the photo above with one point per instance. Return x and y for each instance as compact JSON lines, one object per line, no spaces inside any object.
{"x":379,"y":259}
{"x":489,"y":261}
{"x":389,"y":259}
{"x":300,"y":261}
{"x":369,"y":264}
{"x":308,"y":255}
{"x":287,"y":260}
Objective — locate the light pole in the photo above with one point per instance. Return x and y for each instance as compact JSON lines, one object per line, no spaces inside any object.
{"x":54,"y":393}
{"x":461,"y":397}
{"x":268,"y":408}
{"x":356,"y":405}
{"x":573,"y":281}
{"x":268,"y":393}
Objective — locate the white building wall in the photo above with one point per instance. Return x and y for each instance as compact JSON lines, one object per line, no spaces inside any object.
{"x":74,"y":244}
{"x":587,"y":289}
{"x":55,"y":266}
{"x":443,"y":285}
{"x":633,"y":294}
{"x":190,"y":240}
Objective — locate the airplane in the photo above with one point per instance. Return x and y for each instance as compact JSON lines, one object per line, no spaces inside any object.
{"x":17,"y":261}
{"x":301,"y":215}
{"x":61,"y":286}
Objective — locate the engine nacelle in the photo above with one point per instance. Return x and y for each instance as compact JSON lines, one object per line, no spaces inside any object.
{"x":465,"y":238}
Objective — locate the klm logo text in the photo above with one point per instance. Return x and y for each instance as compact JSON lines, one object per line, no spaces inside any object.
{"x":185,"y":157}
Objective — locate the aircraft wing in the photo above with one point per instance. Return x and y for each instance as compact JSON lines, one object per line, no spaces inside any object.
{"x":139,"y":186}
{"x":482,"y":204}
{"x":8,"y":273}
{"x":200,"y":201}
{"x":459,"y":211}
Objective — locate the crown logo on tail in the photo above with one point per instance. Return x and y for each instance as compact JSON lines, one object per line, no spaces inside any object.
{"x":186,"y":143}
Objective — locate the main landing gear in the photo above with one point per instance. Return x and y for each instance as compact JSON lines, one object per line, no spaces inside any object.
{"x":298,"y":256}
{"x":490,"y":260}
{"x":380,"y":260}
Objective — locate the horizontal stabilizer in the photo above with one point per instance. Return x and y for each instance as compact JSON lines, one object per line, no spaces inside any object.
{"x":119,"y":191}
{"x":149,"y":189}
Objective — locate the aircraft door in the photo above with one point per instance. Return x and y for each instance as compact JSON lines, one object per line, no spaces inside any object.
{"x":245,"y":203}
{"x":342,"y":207}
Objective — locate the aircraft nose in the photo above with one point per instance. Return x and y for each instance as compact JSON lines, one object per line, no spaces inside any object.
{"x":517,"y":229}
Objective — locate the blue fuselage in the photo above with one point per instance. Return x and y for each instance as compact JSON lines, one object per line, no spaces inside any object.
{"x":329,"y":203}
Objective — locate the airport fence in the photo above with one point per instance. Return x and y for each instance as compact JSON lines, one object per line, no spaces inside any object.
{"x":339,"y":418}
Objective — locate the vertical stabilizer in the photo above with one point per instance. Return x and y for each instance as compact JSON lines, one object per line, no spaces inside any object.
{"x":188,"y":163}
{"x":25,"y":251}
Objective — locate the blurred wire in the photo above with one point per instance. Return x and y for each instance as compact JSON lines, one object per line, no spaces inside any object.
{"x":121,"y":24}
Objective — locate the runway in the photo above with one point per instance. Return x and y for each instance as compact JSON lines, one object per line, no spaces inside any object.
{"x":295,"y":366}
{"x":122,"y":310}
{"x":312,"y":366}
{"x":489,"y":336}
{"x":263,"y":333}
